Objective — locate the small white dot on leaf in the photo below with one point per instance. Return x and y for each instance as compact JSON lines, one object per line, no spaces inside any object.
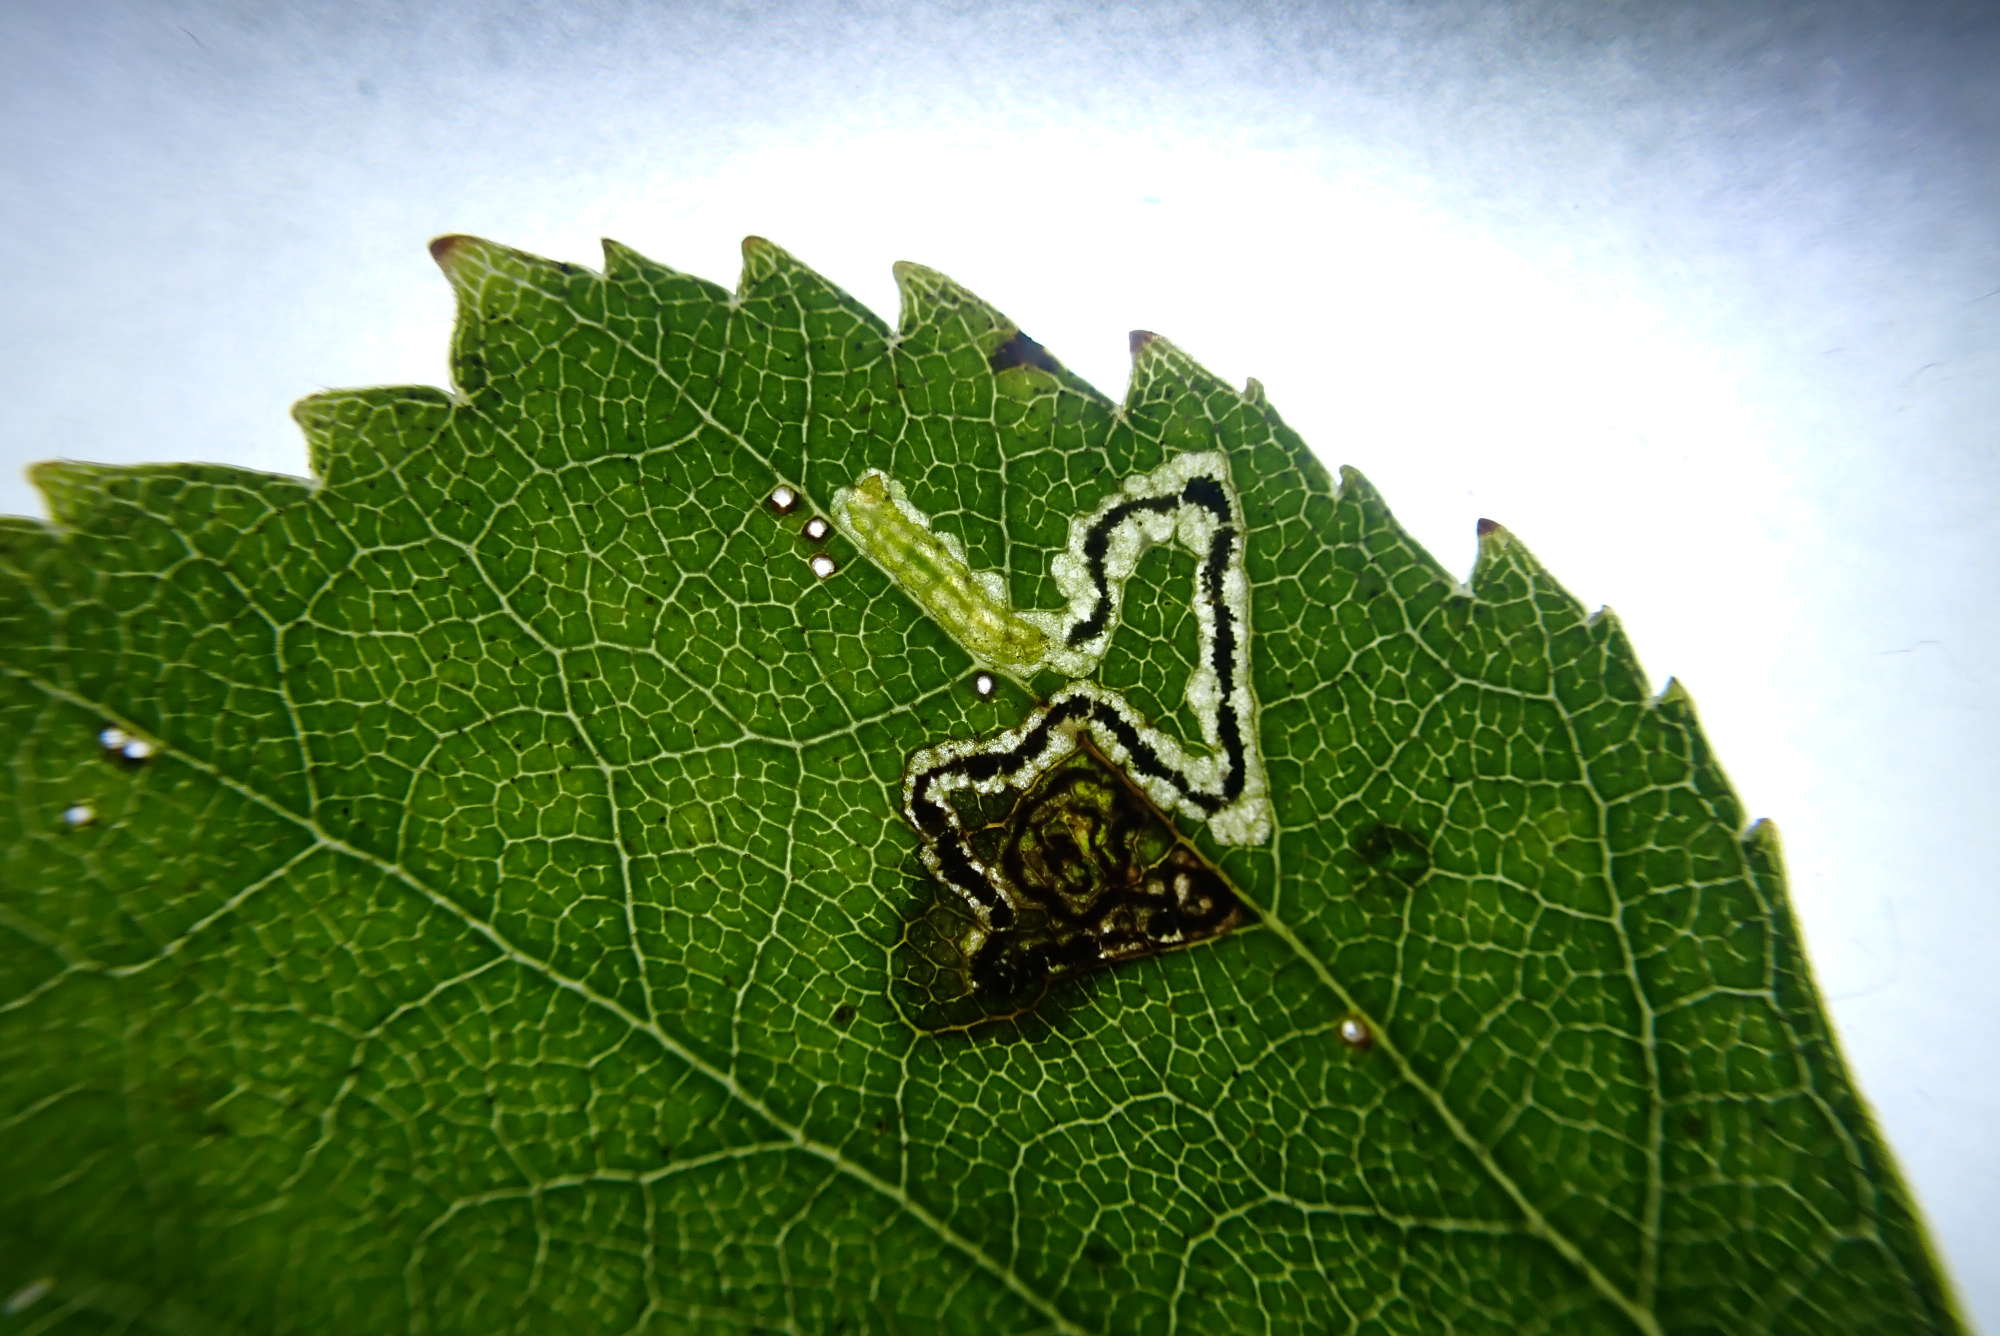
{"x":823,"y":565}
{"x":784,"y":499}
{"x":1354,"y":1032}
{"x":982,"y":684}
{"x":137,"y":749}
{"x":817,"y":528}
{"x":82,"y":814}
{"x":113,"y":739}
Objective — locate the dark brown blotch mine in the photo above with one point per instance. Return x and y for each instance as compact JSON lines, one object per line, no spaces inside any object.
{"x":1019,"y":350}
{"x":1096,"y":876}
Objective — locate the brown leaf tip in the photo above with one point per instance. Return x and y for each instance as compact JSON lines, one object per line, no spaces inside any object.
{"x":1487,"y":527}
{"x":1140,"y":338}
{"x":445,"y":248}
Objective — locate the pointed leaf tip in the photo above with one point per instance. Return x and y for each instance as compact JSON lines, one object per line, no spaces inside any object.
{"x":1488,"y":527}
{"x":445,"y":248}
{"x":1139,"y":338}
{"x":763,"y":259}
{"x":931,"y":299}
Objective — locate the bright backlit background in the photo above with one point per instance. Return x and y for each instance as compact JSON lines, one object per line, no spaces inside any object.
{"x":1701,"y":300}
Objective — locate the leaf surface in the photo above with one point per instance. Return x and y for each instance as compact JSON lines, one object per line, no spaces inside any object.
{"x":503,"y":931}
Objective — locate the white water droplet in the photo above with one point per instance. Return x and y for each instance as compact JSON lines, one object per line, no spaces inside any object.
{"x":1354,"y":1032}
{"x":113,"y":739}
{"x":817,"y":528}
{"x":27,"y":1296}
{"x":982,"y":683}
{"x":823,"y":565}
{"x":784,"y":499}
{"x":137,"y":749}
{"x":80,"y":815}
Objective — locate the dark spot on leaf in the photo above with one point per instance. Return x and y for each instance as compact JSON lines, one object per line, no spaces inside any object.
{"x":666,"y":1151}
{"x":1102,"y":878}
{"x":1019,"y":351}
{"x":1487,"y":526}
{"x":843,"y":1015}
{"x":1139,"y":338}
{"x":1693,"y":1128}
{"x":1396,"y":853}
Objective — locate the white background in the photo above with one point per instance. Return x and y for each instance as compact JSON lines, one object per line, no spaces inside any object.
{"x":1701,"y":300}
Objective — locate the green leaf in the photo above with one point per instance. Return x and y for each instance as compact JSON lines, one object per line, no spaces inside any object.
{"x":503,"y":920}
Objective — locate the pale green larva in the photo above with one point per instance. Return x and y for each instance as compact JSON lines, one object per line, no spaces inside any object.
{"x":1185,"y":504}
{"x":972,"y":606}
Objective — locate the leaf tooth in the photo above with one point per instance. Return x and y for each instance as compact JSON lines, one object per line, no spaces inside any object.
{"x":1675,"y":706}
{"x":622,"y":264}
{"x":1160,"y":369}
{"x":1764,"y":847}
{"x":113,"y":500}
{"x":159,"y":507}
{"x":486,"y":275}
{"x":1501,"y":556}
{"x":655,"y":285}
{"x":1253,"y":393}
{"x":1673,"y":698}
{"x":1358,"y":495}
{"x":765,"y":261}
{"x":1617,"y":662}
{"x":498,"y":286}
{"x":1506,"y":571}
{"x":349,"y":431}
{"x":621,"y":261}
{"x":802,"y":296}
{"x":73,"y":491}
{"x":949,"y":313}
